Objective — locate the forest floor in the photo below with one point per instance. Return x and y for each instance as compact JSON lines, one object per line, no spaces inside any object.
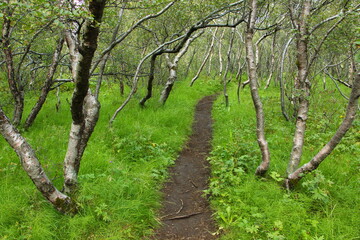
{"x":185,"y":213}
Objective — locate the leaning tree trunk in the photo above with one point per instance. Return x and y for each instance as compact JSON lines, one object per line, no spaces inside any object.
{"x":260,"y":125}
{"x":352,"y":108}
{"x":170,"y":82}
{"x":47,"y":86}
{"x":84,"y":106}
{"x":173,"y":67}
{"x":150,"y":81}
{"x":13,"y":81}
{"x":33,"y":167}
{"x":302,"y":89}
{"x":211,"y":47}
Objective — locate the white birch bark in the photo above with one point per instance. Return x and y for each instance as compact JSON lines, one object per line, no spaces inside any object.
{"x":33,"y":168}
{"x":172,"y":65}
{"x":352,"y":108}
{"x":302,"y":88}
{"x":84,"y":106}
{"x":260,"y":122}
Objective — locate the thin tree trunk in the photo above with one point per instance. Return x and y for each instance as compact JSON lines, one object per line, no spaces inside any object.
{"x":272,"y":63}
{"x":281,"y":81}
{"x":190,"y":62}
{"x":107,"y":55}
{"x":13,"y":80}
{"x":47,"y":86}
{"x":220,"y":54}
{"x":33,"y":167}
{"x":239,"y":78}
{"x":210,"y":63}
{"x":169,"y":84}
{"x":260,"y":125}
{"x":173,"y":68}
{"x":84,"y":106}
{"x":352,"y":65}
{"x":205,"y":59}
{"x":150,"y":81}
{"x":299,"y":173}
{"x":302,"y":89}
{"x":226,"y":96}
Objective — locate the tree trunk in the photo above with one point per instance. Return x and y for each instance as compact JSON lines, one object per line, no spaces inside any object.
{"x":13,"y":80}
{"x":226,"y":96}
{"x":47,"y":86}
{"x":220,"y":54}
{"x":260,"y":132}
{"x":107,"y":55}
{"x":173,"y":67}
{"x":281,"y":81}
{"x":150,"y":81}
{"x":168,"y":85}
{"x":302,"y":89}
{"x":190,"y":63}
{"x":272,"y":63}
{"x":84,"y":106}
{"x":296,"y":175}
{"x":33,"y":167}
{"x":352,"y":65}
{"x":205,"y":59}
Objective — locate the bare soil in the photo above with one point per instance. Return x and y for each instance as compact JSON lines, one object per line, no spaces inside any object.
{"x":186,"y":213}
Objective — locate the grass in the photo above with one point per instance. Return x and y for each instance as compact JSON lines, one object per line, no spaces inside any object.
{"x":123,"y":167}
{"x":121,"y":171}
{"x":323,"y":205}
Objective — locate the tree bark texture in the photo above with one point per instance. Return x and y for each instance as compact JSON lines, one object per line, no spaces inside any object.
{"x":172,"y":65}
{"x":84,"y":106}
{"x":13,"y":80}
{"x":150,"y":81}
{"x":302,"y":89}
{"x":352,"y":108}
{"x":47,"y":86}
{"x":260,"y":125}
{"x":33,"y":167}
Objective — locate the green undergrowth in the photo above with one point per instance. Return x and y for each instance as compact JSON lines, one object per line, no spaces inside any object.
{"x":121,"y":171}
{"x":324,"y":205}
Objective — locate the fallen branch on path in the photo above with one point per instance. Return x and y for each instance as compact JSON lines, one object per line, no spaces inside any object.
{"x":183,"y":216}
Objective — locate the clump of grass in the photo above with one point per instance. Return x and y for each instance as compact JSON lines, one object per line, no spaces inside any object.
{"x":120,"y":174}
{"x":246,"y":207}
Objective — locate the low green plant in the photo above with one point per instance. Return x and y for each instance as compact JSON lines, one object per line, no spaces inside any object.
{"x":247,"y":207}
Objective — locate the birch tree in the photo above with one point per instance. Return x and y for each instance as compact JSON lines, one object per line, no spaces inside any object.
{"x":84,"y":111}
{"x":260,"y":122}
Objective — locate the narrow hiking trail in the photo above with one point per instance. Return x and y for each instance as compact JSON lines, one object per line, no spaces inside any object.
{"x":185,"y":214}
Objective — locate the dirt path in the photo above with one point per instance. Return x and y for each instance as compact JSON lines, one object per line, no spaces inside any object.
{"x":185,"y":213}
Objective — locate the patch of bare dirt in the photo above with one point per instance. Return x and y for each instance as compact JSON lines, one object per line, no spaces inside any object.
{"x":186,"y":213}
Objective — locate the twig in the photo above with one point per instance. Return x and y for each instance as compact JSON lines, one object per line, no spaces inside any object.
{"x":183,"y":216}
{"x":181,"y":208}
{"x":193,"y":183}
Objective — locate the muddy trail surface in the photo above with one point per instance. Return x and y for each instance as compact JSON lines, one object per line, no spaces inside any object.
{"x":186,"y":213}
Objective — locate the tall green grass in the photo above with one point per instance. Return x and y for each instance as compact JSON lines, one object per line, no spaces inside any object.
{"x":324,"y":205}
{"x":120,"y":174}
